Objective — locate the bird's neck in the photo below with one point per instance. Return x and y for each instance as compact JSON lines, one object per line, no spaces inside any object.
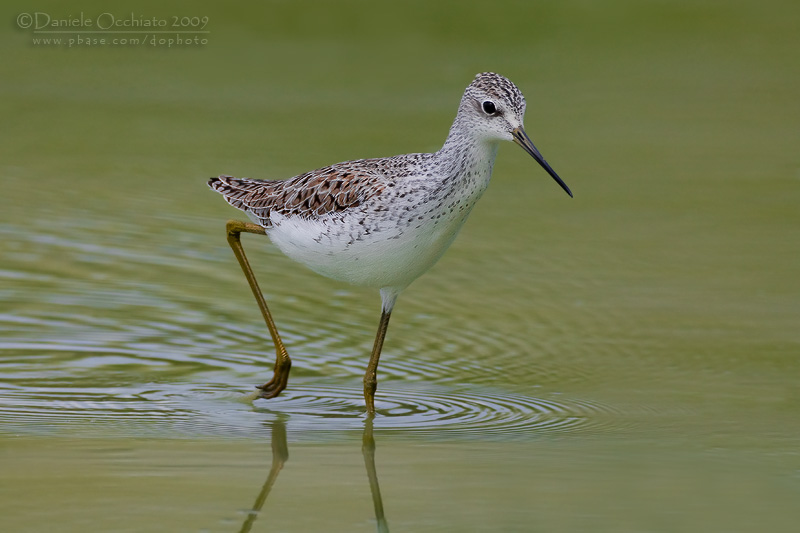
{"x":467,"y":156}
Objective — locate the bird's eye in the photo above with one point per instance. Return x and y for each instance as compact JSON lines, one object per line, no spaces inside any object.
{"x":489,"y":107}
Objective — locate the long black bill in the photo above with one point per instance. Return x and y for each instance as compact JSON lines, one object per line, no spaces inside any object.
{"x":522,"y":139}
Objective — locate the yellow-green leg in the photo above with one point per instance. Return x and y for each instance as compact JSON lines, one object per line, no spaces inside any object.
{"x":283,"y":364}
{"x":371,"y":376}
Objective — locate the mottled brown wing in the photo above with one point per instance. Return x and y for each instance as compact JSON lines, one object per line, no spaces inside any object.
{"x":327,"y":190}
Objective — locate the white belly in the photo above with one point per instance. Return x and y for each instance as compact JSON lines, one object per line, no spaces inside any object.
{"x":391,"y":255}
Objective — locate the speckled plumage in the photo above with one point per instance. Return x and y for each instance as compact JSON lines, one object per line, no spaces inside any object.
{"x":383,"y":222}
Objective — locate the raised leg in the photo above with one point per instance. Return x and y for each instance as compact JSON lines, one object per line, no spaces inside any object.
{"x":371,"y":376}
{"x":283,"y":364}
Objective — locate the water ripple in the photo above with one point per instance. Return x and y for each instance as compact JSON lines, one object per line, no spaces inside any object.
{"x":444,"y":412}
{"x":113,"y":336}
{"x":180,"y":410}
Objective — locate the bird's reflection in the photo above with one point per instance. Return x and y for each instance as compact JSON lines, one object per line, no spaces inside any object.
{"x":368,"y":450}
{"x":280,"y":454}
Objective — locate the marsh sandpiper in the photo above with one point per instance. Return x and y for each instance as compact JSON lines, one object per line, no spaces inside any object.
{"x":382,"y":222}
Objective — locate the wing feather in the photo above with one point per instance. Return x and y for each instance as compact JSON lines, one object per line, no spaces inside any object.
{"x":332,"y":189}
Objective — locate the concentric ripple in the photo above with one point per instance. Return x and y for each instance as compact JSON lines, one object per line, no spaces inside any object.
{"x":122,"y":345}
{"x":176,"y":410}
{"x":441,"y":411}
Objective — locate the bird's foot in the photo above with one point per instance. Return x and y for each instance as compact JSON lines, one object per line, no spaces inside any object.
{"x":275,"y":386}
